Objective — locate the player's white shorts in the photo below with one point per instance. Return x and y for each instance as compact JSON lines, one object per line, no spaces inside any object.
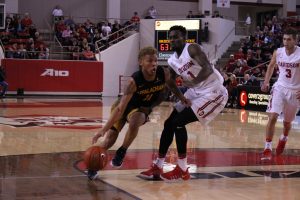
{"x":283,"y":101}
{"x":206,"y":104}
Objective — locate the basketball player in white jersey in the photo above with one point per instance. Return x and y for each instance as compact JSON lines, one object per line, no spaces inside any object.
{"x":285,"y":93}
{"x":206,"y":92}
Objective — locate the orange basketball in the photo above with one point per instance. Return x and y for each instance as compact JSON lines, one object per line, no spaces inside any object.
{"x":95,"y":158}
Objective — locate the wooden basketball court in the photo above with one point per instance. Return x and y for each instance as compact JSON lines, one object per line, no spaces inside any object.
{"x":42,"y":141}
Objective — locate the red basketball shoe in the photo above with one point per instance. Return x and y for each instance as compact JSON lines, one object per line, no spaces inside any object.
{"x":153,"y":173}
{"x":266,"y":155}
{"x":176,"y":174}
{"x":280,"y":147}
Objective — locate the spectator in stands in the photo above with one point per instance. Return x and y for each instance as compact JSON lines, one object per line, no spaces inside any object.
{"x":251,"y":62}
{"x":257,"y":56}
{"x":230,"y":66}
{"x":239,"y":54}
{"x":247,"y":81}
{"x":3,"y":83}
{"x":21,"y":52}
{"x":67,"y":36}
{"x":12,"y":51}
{"x":26,"y":21}
{"x":9,"y":26}
{"x":31,"y":52}
{"x":18,"y":25}
{"x":98,"y":36}
{"x":106,"y":29}
{"x":244,"y":67}
{"x":43,"y":52}
{"x":59,"y":28}
{"x":232,"y":91}
{"x":57,"y":14}
{"x":87,"y":54}
{"x":152,"y":13}
{"x":190,"y":15}
{"x":248,"y":24}
{"x":84,"y":44}
{"x":135,"y":18}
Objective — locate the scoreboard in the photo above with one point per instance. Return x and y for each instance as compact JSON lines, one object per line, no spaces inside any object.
{"x":162,"y":43}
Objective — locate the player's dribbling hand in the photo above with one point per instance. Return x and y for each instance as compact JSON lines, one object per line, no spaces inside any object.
{"x":97,"y":135}
{"x":187,"y":102}
{"x":265,"y":87}
{"x":298,"y":95}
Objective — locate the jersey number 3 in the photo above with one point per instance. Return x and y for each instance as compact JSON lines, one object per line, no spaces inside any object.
{"x":288,"y":73}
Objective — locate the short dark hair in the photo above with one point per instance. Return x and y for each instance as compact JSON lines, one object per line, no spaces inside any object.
{"x":292,"y":32}
{"x":178,"y":28}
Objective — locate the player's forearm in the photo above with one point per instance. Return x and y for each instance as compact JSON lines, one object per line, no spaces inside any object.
{"x":269,"y":74}
{"x":203,"y":75}
{"x":115,"y":116}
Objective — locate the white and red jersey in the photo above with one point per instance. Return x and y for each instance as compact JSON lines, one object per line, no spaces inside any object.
{"x":289,"y":68}
{"x":188,"y":69}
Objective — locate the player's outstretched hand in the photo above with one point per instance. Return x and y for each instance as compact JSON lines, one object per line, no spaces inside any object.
{"x":97,"y":136}
{"x":265,"y":87}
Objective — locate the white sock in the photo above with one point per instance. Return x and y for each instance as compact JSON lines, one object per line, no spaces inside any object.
{"x":283,"y":137}
{"x":159,"y":162}
{"x":182,"y":163}
{"x":268,"y":145}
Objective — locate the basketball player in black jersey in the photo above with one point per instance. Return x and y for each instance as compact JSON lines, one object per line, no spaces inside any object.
{"x":144,"y":91}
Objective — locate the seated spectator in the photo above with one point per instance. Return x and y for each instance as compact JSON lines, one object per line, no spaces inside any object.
{"x":12,"y":51}
{"x":21,"y":52}
{"x":31,"y":52}
{"x":239,"y":54}
{"x":97,"y":37}
{"x":26,"y":21}
{"x":43,"y":52}
{"x":74,"y":49}
{"x":87,"y":54}
{"x":232,"y":91}
{"x":251,"y":62}
{"x":67,"y":36}
{"x":84,"y":44}
{"x":230,"y":66}
{"x":247,"y":81}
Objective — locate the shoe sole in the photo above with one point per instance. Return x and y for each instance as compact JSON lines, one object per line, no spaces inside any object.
{"x":173,"y":180}
{"x":265,"y":158}
{"x":114,"y":166}
{"x":150,"y":177}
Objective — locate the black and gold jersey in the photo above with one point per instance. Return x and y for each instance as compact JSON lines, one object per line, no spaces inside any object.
{"x":147,"y":91}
